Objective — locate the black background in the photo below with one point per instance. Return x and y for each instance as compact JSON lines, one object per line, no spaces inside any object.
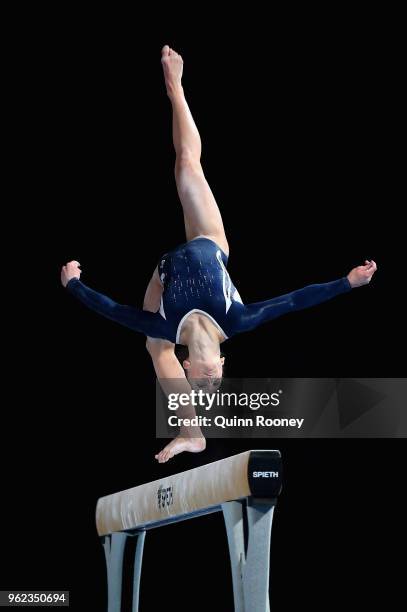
{"x":297,"y":130}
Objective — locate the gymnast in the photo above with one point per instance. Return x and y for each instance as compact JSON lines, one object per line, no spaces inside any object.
{"x":190,"y":299}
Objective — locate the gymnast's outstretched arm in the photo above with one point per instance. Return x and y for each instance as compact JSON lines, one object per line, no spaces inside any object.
{"x":147,"y":323}
{"x":255,"y":314}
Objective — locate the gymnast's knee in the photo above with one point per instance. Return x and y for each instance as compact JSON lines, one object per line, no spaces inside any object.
{"x":187,"y":161}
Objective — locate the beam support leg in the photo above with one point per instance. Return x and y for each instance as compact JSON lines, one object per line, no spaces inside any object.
{"x":257,"y":567}
{"x":233,"y":514}
{"x":250,"y":556}
{"x":138,"y":559}
{"x":114,"y":545}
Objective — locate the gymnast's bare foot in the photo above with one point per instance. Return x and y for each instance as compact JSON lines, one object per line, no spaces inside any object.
{"x":172,"y":64}
{"x":179,"y":445}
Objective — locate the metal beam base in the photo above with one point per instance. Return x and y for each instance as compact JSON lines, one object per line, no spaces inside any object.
{"x":248,"y":527}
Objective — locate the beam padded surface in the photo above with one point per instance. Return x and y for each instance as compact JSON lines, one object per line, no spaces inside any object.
{"x":174,"y":496}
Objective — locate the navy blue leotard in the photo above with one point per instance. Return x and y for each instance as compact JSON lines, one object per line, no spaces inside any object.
{"x":195,"y":279}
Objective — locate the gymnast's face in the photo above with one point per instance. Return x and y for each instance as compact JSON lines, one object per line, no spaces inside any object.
{"x":205,"y":375}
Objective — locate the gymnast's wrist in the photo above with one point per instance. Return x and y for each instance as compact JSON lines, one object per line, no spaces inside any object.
{"x":347,"y":283}
{"x":72,"y":283}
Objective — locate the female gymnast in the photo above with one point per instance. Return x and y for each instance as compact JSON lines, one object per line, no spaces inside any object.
{"x":190,"y":299}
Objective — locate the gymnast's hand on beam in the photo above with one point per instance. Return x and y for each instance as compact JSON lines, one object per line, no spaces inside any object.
{"x":69,"y":271}
{"x":362,"y":275}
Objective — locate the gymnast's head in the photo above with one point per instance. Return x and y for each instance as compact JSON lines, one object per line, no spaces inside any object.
{"x":205,"y":374}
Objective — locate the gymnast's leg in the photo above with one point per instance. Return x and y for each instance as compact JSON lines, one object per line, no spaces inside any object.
{"x":152,"y":297}
{"x":172,"y":379}
{"x":201,"y":213}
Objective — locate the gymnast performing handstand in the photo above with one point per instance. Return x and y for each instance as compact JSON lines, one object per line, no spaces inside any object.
{"x":190,"y":299}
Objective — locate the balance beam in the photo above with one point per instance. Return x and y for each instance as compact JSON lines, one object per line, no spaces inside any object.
{"x":244,"y":487}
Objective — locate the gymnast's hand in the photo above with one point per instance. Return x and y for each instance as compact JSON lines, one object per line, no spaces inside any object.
{"x":69,"y":271}
{"x":362,"y":275}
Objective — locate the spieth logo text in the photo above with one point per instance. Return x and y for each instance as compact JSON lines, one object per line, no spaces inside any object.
{"x":265,"y":474}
